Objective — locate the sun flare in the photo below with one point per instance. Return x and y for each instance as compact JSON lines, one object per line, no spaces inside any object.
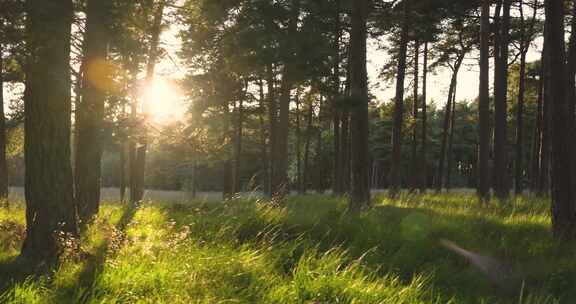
{"x":163,"y":101}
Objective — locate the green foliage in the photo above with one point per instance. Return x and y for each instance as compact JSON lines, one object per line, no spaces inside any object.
{"x":310,"y":251}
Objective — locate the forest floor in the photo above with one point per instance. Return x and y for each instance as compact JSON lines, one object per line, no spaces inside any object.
{"x":309,"y":251}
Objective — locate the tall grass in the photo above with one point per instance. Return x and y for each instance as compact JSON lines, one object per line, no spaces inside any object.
{"x":309,"y":251}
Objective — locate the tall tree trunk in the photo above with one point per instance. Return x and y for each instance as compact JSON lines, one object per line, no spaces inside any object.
{"x":537,"y":142}
{"x":309,"y":129}
{"x":483,"y":185}
{"x":520,"y":125}
{"x":415,"y":163}
{"x":337,"y":180}
{"x":360,"y":192}
{"x":545,"y":149}
{"x":90,"y":112}
{"x":320,"y":160}
{"x":446,"y":130}
{"x":346,"y":153}
{"x":424,"y":139}
{"x":563,"y":207}
{"x":264,"y":177}
{"x":273,"y":121}
{"x":396,"y":163}
{"x":236,"y":183}
{"x":500,"y":106}
{"x":150,"y":68}
{"x":50,"y":207}
{"x":298,"y":147}
{"x":280,"y":183}
{"x":3,"y":164}
{"x":450,"y":155}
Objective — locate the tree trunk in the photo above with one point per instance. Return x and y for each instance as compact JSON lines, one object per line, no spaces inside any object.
{"x":236,"y":183}
{"x":447,"y":118}
{"x":360,"y":192}
{"x":280,"y":183}
{"x":483,"y":189}
{"x":264,"y":177}
{"x":500,"y":106}
{"x":298,"y":147}
{"x":3,"y":164}
{"x":90,"y":112}
{"x":520,"y":126}
{"x":150,"y":68}
{"x":307,"y":146}
{"x":50,"y":208}
{"x":415,"y":163}
{"x":424,"y":139}
{"x":450,"y":154}
{"x":537,"y":142}
{"x":273,"y":121}
{"x":545,"y":149}
{"x":337,"y":179}
{"x":563,"y":207}
{"x":396,"y":163}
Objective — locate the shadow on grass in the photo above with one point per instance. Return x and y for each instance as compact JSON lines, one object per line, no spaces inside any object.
{"x":15,"y":270}
{"x":401,"y":240}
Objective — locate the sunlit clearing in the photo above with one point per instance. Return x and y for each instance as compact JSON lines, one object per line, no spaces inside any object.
{"x":163,"y":101}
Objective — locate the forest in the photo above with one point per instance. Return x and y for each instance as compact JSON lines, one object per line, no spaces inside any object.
{"x":287,"y":151}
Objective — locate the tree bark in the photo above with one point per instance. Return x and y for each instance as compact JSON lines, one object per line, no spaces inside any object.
{"x":3,"y":164}
{"x":264,"y":177}
{"x":360,"y":191}
{"x":500,"y":106}
{"x":483,"y":189}
{"x":415,"y":162}
{"x":447,"y":118}
{"x":518,"y":167}
{"x":305,"y":174}
{"x":90,"y":112}
{"x":140,"y":169}
{"x":424,"y":139}
{"x":337,"y":179}
{"x":395,"y":166}
{"x":280,"y":183}
{"x":563,"y":207}
{"x":50,"y":208}
{"x":236,"y":183}
{"x":450,"y":155}
{"x":298,"y":147}
{"x":273,"y":121}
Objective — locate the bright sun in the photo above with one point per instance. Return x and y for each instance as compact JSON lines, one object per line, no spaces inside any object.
{"x":163,"y":101}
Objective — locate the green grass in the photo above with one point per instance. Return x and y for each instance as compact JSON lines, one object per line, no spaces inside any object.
{"x":310,"y":251}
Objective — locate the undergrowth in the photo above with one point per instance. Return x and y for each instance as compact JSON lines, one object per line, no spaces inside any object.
{"x":309,"y":251}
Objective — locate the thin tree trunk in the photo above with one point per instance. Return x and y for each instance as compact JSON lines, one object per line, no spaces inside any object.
{"x":150,"y":68}
{"x":3,"y":164}
{"x":90,"y":112}
{"x":273,"y":121}
{"x":483,"y":189}
{"x":360,"y":192}
{"x":545,"y":149}
{"x":424,"y":139}
{"x":307,"y":146}
{"x":280,"y":184}
{"x":50,"y":208}
{"x":500,"y":107}
{"x":520,"y":126}
{"x":337,"y":179}
{"x":415,"y":163}
{"x":236,"y":184}
{"x":298,"y":147}
{"x":395,"y":166}
{"x":450,"y":155}
{"x":446,"y":130}
{"x":563,"y":207}
{"x":264,"y":178}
